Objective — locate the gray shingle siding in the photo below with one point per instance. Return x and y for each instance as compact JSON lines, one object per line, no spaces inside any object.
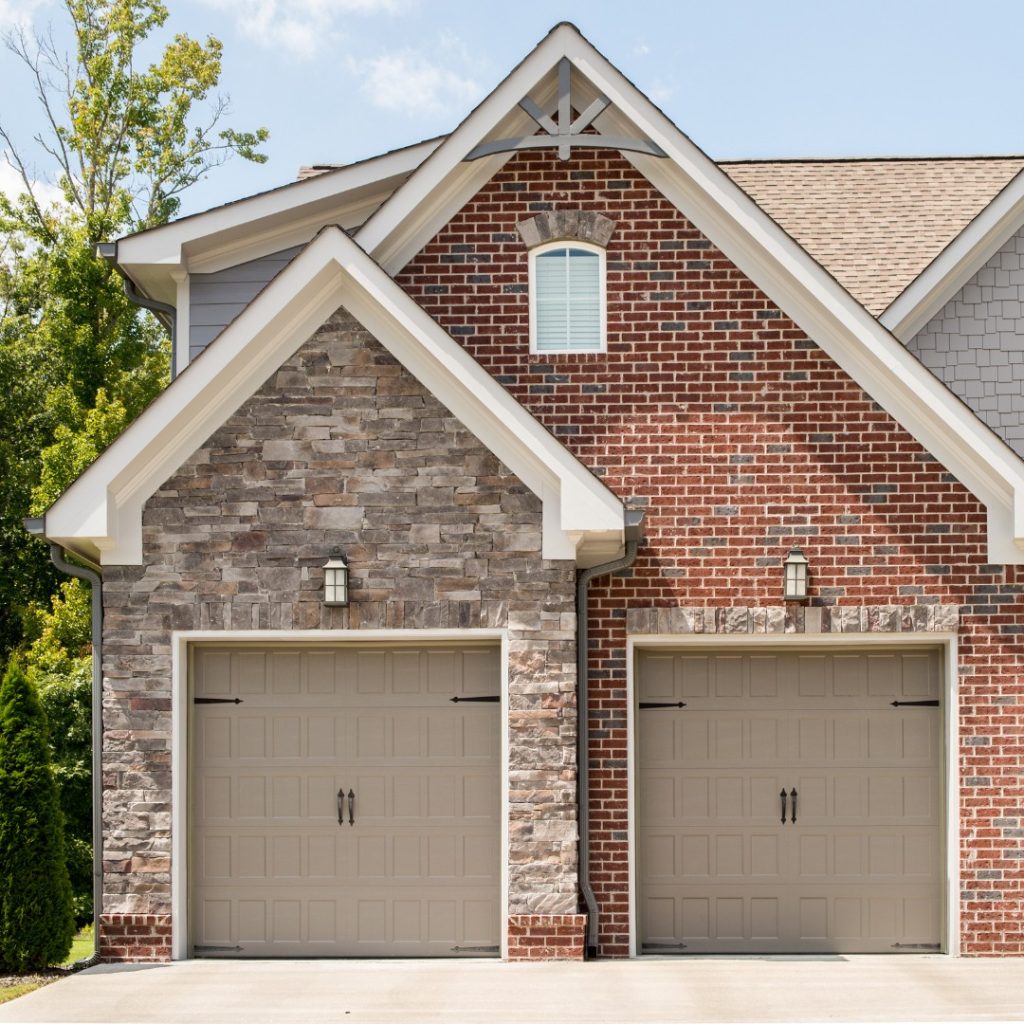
{"x":976,"y":343}
{"x":216,"y":299}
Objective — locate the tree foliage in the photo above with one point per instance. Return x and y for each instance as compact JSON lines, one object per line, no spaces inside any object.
{"x":121,"y":142}
{"x":36,"y":919}
{"x":118,"y":143}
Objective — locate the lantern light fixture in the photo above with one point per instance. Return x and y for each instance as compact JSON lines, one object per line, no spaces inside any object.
{"x":794,"y":587}
{"x":336,"y":580}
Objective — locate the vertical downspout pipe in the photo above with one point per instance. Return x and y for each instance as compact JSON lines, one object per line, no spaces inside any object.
{"x":633,"y":533}
{"x":165,"y":312}
{"x":57,"y":555}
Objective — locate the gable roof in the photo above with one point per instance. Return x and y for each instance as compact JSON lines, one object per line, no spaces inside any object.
{"x":875,"y":225}
{"x":744,"y":232}
{"x":100,"y":515}
{"x":268,"y":222}
{"x":108,"y":498}
{"x":958,"y":262}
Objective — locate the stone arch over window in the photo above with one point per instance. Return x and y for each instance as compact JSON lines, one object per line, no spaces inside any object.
{"x":567,"y":271}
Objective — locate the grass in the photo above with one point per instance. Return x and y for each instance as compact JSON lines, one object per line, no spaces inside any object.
{"x":81,"y":947}
{"x":14,"y":985}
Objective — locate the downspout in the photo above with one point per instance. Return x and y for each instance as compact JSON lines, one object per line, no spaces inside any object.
{"x":165,"y":313}
{"x":633,"y":533}
{"x":37,"y":528}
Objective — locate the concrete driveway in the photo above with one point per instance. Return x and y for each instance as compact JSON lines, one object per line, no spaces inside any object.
{"x":862,"y":988}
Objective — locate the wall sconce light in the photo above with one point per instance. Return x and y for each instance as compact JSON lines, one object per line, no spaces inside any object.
{"x":336,"y":580}
{"x":794,"y":586}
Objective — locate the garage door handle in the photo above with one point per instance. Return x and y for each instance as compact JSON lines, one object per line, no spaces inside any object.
{"x":351,"y":807}
{"x":341,"y":806}
{"x":792,"y":794}
{"x":782,"y":797}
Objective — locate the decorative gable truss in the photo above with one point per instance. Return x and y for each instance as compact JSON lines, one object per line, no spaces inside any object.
{"x":101,"y":512}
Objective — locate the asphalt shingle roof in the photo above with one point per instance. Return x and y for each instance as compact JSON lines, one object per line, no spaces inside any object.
{"x":874,"y":224}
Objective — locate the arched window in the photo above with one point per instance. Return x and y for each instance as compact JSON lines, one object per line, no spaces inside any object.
{"x":567,"y":298}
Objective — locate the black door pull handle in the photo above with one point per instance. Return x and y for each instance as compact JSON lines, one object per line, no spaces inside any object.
{"x":351,"y":807}
{"x":341,"y":806}
{"x":782,"y":797}
{"x":793,"y":794}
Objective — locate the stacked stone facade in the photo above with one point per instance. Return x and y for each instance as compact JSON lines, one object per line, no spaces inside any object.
{"x":341,"y":446}
{"x":740,"y":438}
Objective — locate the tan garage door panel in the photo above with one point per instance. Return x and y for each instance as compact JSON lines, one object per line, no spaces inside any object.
{"x":858,"y":871}
{"x":415,"y":871}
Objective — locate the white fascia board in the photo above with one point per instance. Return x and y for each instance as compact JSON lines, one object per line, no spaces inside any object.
{"x":102,"y":511}
{"x":271,"y":214}
{"x":446,"y":181}
{"x":762,"y":250}
{"x":926,"y":295}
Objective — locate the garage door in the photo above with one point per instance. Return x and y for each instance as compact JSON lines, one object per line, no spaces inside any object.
{"x":343,"y":804}
{"x":844,"y":746}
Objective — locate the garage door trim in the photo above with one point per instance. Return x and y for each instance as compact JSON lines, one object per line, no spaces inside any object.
{"x":946,"y":643}
{"x":181,"y":642}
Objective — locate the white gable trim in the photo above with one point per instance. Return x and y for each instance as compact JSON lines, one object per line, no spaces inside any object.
{"x":943,"y":424}
{"x":278,"y":219}
{"x":925,"y":296}
{"x":101,"y":513}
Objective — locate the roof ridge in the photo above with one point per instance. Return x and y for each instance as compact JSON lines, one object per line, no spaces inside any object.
{"x":868,"y":159}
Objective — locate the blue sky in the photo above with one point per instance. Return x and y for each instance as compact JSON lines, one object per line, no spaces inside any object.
{"x":339,"y":80}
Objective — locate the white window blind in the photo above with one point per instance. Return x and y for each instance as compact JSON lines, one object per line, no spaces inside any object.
{"x":567,"y":301}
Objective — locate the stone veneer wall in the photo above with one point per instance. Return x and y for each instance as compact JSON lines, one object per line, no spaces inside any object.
{"x":741,"y":438}
{"x":975,"y":344}
{"x":340,"y":446}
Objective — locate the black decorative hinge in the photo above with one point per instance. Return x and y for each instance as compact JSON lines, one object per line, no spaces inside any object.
{"x":916,"y":945}
{"x":474,"y":949}
{"x":663,"y":947}
{"x":216,"y":700}
{"x":217,"y":949}
{"x":475,"y":700}
{"x":914,"y":703}
{"x":647,"y":704}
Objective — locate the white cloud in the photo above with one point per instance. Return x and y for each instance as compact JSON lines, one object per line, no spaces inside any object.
{"x":12,"y":186}
{"x":18,"y":13}
{"x":408,"y":82}
{"x":302,"y":27}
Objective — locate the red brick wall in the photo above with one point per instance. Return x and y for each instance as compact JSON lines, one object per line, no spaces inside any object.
{"x":137,"y":937}
{"x":546,"y":936}
{"x":741,"y":438}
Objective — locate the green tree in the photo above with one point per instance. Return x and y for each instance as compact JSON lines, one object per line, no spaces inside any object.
{"x":60,"y":666}
{"x":37,"y":924}
{"x":121,"y":142}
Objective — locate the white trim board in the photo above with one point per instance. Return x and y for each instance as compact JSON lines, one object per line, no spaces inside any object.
{"x":268,"y":222}
{"x":949,"y":830}
{"x":182,"y":644}
{"x":940,"y":281}
{"x":100,"y":515}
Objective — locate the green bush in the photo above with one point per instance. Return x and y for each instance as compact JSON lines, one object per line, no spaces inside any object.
{"x":36,"y":920}
{"x":67,"y":702}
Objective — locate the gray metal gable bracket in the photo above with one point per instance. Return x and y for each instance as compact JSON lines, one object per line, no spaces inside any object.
{"x":565,"y":132}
